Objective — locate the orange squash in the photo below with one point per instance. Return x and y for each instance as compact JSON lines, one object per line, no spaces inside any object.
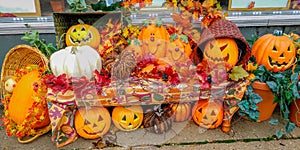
{"x":222,"y":50}
{"x":127,"y":118}
{"x":181,"y":112}
{"x":275,"y":51}
{"x":154,"y":38}
{"x":92,"y":123}
{"x":179,"y":49}
{"x":22,"y":100}
{"x":83,"y":34}
{"x":208,"y":114}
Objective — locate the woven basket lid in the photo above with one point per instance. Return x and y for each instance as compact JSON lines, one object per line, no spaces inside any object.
{"x":226,"y":29}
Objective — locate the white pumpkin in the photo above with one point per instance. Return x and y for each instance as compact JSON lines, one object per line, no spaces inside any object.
{"x":9,"y":85}
{"x":75,"y":61}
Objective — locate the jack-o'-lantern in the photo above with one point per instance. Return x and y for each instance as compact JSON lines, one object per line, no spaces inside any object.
{"x":23,"y":97}
{"x":275,"y":52}
{"x":127,"y":118}
{"x":154,"y":37}
{"x":92,"y":123}
{"x":179,"y":49}
{"x":222,"y":50}
{"x":83,"y":34}
{"x":181,"y":112}
{"x":208,"y":114}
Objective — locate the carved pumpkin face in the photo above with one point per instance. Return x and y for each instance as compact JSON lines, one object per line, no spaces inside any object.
{"x":181,"y":112}
{"x":127,"y":118}
{"x":276,"y":53}
{"x":208,"y":114}
{"x":179,"y":51}
{"x":154,"y":40}
{"x":92,"y":123}
{"x":83,"y":34}
{"x":222,"y":49}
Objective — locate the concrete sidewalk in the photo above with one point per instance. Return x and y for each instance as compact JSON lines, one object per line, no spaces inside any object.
{"x":186,"y":135}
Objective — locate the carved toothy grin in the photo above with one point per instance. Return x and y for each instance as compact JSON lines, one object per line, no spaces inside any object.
{"x":216,"y":59}
{"x":94,"y":133}
{"x":275,"y":63}
{"x":83,"y":40}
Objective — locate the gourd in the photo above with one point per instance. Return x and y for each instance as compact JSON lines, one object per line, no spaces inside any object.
{"x":75,"y":61}
{"x":275,"y":51}
{"x":181,"y":111}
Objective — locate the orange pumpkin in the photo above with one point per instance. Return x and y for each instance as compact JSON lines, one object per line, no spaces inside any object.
{"x":222,"y":49}
{"x":154,"y":38}
{"x":127,"y":118}
{"x":83,"y":34}
{"x":22,"y":100}
{"x":208,"y":114}
{"x":181,"y":112}
{"x":179,"y":50}
{"x":136,"y":48}
{"x":274,"y":51}
{"x":92,"y":123}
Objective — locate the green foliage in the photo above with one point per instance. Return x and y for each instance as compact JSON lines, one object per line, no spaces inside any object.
{"x":77,"y":5}
{"x":33,"y":37}
{"x":101,"y":5}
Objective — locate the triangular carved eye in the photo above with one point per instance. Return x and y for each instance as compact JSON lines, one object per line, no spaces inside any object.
{"x":86,"y":122}
{"x":223,"y":47}
{"x":213,"y":113}
{"x":74,"y":30}
{"x":135,"y":117}
{"x":200,"y":110}
{"x":275,"y":49}
{"x":100,"y":118}
{"x":124,"y":118}
{"x":82,"y":29}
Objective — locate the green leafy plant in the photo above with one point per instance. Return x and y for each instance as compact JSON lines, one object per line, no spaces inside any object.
{"x":77,"y":5}
{"x":33,"y":37}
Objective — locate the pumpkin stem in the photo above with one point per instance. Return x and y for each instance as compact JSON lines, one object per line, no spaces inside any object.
{"x":74,"y":50}
{"x":80,"y":21}
{"x":278,"y":32}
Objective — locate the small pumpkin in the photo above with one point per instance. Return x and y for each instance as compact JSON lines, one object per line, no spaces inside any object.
{"x":159,"y":119}
{"x":22,"y":100}
{"x":9,"y":85}
{"x":92,"y":123}
{"x":222,"y":49}
{"x":208,"y":114}
{"x":136,"y":48}
{"x":127,"y":118}
{"x":75,"y":61}
{"x":154,"y":38}
{"x":83,"y":34}
{"x":181,"y":111}
{"x":275,"y":51}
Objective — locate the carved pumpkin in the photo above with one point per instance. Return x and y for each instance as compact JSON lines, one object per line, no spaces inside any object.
{"x":83,"y":34}
{"x":179,"y":50}
{"x":75,"y":61}
{"x":181,"y":112}
{"x":275,"y":52}
{"x":22,"y":100}
{"x":127,"y":118}
{"x":92,"y":123}
{"x":220,"y":50}
{"x":154,"y":38}
{"x":208,"y":114}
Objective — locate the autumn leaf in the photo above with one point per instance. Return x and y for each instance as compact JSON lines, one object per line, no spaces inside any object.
{"x":238,"y":72}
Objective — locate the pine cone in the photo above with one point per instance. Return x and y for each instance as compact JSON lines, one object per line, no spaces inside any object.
{"x":124,"y":65}
{"x":109,"y":60}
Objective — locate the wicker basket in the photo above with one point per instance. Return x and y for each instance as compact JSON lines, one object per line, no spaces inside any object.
{"x":21,"y":56}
